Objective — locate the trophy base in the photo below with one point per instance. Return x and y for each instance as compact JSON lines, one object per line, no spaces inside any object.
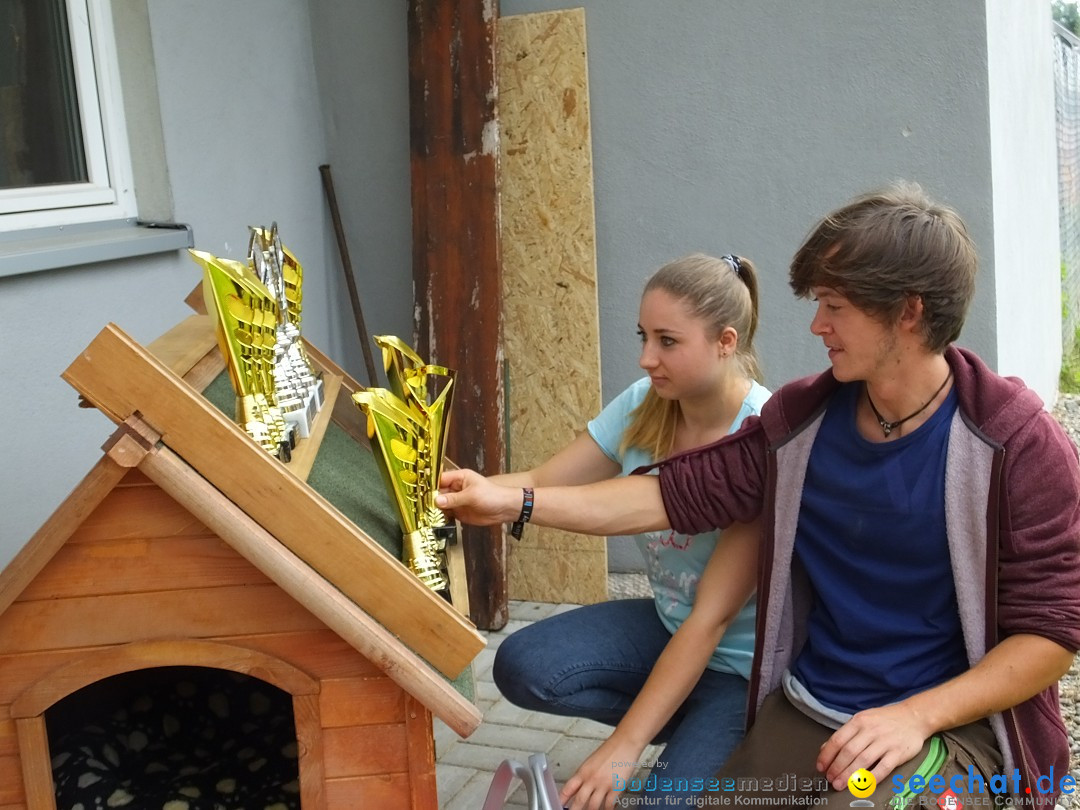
{"x":302,"y":417}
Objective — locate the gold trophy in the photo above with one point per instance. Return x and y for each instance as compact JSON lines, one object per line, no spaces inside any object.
{"x":297,"y":386}
{"x":408,"y":425}
{"x":247,"y":317}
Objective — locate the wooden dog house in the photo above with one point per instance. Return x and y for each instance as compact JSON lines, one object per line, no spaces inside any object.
{"x":188,"y":545}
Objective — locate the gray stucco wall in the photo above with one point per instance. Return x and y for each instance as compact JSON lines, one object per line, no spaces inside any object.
{"x":735,"y":126}
{"x":243,"y":139}
{"x":716,"y":127}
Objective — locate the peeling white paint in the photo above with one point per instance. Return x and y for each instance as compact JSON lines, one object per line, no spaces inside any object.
{"x":489,"y":10}
{"x":490,"y":139}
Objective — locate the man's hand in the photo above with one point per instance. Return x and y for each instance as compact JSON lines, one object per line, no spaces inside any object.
{"x":876,"y":739}
{"x":592,"y":787}
{"x":473,"y":499}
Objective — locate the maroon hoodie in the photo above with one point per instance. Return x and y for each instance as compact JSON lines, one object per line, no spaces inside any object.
{"x":1012,"y":501}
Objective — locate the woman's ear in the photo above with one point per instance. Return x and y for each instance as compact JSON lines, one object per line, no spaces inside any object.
{"x":728,"y":341}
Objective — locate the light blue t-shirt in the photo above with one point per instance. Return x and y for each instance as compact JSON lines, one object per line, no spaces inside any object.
{"x":674,"y":561}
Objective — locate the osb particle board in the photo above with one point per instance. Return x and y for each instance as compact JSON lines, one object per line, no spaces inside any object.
{"x":550,"y":313}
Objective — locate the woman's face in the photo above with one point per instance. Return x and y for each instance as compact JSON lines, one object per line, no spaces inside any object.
{"x":678,"y":351}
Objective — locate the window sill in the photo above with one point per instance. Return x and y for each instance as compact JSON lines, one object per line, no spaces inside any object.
{"x":28,"y":251}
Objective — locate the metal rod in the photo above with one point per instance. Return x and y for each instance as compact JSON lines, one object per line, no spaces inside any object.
{"x":346,"y":266}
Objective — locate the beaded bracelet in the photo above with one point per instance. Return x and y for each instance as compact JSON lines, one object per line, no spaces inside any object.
{"x":518,"y":526}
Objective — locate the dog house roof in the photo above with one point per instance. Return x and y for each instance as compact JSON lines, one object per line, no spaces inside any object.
{"x":264,"y":510}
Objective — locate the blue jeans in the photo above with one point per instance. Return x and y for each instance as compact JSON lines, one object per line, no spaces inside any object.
{"x":592,"y":662}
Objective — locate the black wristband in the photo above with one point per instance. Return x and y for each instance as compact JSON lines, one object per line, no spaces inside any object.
{"x":518,"y":526}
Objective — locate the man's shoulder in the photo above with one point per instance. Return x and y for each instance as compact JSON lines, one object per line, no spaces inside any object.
{"x":997,"y":406}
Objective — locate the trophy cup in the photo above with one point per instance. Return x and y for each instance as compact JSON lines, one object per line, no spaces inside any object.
{"x":297,"y":387}
{"x":408,"y":431}
{"x":247,"y":318}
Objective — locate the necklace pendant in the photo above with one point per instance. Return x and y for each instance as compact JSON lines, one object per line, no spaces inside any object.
{"x":886,"y":428}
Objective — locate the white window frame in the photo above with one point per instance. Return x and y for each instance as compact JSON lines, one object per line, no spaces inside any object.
{"x":109,"y":193}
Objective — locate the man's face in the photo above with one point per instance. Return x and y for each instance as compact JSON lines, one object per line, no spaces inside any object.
{"x":860,"y":345}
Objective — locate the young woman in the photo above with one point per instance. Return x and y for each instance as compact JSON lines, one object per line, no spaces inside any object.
{"x":697,"y":320}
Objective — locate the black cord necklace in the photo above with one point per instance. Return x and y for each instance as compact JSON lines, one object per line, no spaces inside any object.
{"x":888,"y":427}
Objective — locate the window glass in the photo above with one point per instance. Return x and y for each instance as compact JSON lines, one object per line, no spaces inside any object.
{"x":40,"y":129}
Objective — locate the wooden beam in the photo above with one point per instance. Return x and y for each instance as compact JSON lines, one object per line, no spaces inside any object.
{"x":454,"y":158}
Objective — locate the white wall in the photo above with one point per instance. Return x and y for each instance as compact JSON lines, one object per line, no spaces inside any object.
{"x":243,"y":142}
{"x":1023,"y":154}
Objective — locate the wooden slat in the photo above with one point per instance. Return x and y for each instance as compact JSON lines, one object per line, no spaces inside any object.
{"x":36,"y":763}
{"x":82,"y":501}
{"x":361,"y":702}
{"x":303,"y":457}
{"x":320,"y":653}
{"x":183,"y":346}
{"x":425,"y":791}
{"x":365,"y":750}
{"x":9,"y":743}
{"x":328,"y":603}
{"x":134,"y":478}
{"x":205,"y":371}
{"x":139,"y":566}
{"x":196,"y":300}
{"x":120,"y":377}
{"x":307,"y":716}
{"x":102,"y":664}
{"x":138,"y":513}
{"x":389,"y":790}
{"x":22,"y":669}
{"x":11,"y":781}
{"x":454,"y":150}
{"x":194,"y":613}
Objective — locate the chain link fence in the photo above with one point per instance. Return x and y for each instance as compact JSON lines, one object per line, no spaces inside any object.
{"x":1067,"y":103}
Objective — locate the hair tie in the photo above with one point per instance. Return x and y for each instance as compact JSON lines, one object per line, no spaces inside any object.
{"x":733,"y":260}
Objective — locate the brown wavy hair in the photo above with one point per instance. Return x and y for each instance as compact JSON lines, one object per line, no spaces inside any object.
{"x":883,"y":248}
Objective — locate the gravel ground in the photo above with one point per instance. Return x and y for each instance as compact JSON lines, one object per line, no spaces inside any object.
{"x":1067,"y":412}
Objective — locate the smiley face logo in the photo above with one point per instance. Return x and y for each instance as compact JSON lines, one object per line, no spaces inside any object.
{"x":862,"y":783}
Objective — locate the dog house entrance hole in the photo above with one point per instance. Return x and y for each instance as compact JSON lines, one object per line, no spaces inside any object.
{"x":175,"y":738}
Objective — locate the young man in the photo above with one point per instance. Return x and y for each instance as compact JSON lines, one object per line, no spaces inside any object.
{"x":918,"y":580}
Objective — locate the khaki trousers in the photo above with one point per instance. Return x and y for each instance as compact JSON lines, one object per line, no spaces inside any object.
{"x":774,"y":766}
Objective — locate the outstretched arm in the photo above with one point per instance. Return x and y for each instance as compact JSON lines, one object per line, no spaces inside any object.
{"x":726,"y":584}
{"x":628,"y":505}
{"x":580,"y":462}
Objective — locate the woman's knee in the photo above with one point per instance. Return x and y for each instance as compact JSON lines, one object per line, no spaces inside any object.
{"x":518,"y":671}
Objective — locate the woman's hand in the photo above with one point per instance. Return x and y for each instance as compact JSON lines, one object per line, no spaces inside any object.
{"x":473,"y":499}
{"x":593,"y":785}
